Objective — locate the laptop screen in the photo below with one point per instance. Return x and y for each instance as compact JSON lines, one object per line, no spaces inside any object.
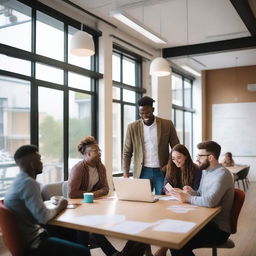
{"x":133,"y":189}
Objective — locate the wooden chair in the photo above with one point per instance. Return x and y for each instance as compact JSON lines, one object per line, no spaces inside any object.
{"x":11,"y":234}
{"x":236,"y":208}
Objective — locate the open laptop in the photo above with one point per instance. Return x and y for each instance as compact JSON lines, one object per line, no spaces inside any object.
{"x":134,"y":190}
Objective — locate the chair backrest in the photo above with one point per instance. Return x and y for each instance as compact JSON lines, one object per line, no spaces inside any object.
{"x":236,"y":208}
{"x":11,"y":234}
{"x":243,"y":173}
{"x":51,"y":189}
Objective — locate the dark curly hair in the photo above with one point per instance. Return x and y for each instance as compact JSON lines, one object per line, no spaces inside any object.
{"x":146,"y":101}
{"x":84,"y":143}
{"x":24,"y":151}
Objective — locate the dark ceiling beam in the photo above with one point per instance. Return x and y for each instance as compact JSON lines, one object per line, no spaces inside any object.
{"x":211,"y":47}
{"x":244,"y":11}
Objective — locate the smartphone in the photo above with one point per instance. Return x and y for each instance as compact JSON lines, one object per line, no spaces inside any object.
{"x":168,"y":187}
{"x":72,"y":206}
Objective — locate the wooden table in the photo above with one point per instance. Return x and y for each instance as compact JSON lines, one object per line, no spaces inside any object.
{"x":136,"y":211}
{"x":236,"y":168}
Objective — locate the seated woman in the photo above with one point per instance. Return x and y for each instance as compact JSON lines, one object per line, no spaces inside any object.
{"x":228,"y":160}
{"x":180,"y":171}
{"x":88,"y":175}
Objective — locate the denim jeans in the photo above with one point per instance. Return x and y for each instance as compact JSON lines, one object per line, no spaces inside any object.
{"x":82,"y":237}
{"x":53,"y":246}
{"x":156,"y":177}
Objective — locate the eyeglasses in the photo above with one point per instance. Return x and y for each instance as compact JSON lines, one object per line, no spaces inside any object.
{"x":95,"y":150}
{"x":198,"y":156}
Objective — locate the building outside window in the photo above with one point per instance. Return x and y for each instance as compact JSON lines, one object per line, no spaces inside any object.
{"x":126,"y":75}
{"x":182,"y":108}
{"x":47,"y":96}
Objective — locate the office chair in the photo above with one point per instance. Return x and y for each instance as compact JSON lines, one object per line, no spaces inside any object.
{"x":11,"y":234}
{"x":51,"y":189}
{"x":235,"y":211}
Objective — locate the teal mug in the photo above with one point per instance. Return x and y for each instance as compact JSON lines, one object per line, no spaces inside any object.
{"x":88,"y":197}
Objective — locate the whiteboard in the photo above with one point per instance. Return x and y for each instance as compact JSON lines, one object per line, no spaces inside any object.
{"x":234,"y":128}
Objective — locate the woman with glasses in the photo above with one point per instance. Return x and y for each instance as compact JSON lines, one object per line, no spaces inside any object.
{"x":88,"y":175}
{"x":180,"y":171}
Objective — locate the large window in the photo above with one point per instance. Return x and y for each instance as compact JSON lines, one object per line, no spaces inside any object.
{"x":47,"y":97}
{"x":126,"y":75}
{"x":182,"y":109}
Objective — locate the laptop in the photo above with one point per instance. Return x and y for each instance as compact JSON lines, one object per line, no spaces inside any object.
{"x":134,"y":190}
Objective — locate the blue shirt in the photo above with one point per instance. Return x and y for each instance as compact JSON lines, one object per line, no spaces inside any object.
{"x":24,"y":199}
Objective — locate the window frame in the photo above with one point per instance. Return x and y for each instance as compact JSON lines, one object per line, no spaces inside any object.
{"x":123,"y":53}
{"x":184,"y":109}
{"x":63,"y":65}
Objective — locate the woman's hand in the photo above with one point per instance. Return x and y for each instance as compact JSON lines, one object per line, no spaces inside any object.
{"x":181,"y":195}
{"x":188,"y":189}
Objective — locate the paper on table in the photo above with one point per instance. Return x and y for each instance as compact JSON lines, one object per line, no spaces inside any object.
{"x":168,"y":198}
{"x":132,"y":227}
{"x":182,"y":208}
{"x":94,"y":220}
{"x":174,"y":226}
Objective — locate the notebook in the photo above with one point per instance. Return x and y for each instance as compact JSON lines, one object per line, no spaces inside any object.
{"x":134,"y":190}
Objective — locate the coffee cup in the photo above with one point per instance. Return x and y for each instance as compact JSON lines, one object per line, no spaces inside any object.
{"x":88,"y":197}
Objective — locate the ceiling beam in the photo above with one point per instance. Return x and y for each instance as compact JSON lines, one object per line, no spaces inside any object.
{"x":211,"y":47}
{"x":244,"y":11}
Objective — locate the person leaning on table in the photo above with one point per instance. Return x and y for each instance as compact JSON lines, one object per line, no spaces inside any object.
{"x":180,"y":171}
{"x":24,"y":199}
{"x":147,"y":141}
{"x":216,"y":189}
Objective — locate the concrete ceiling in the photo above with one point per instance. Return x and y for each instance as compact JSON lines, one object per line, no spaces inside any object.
{"x":190,"y":22}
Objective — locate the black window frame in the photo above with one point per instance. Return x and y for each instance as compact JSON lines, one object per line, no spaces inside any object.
{"x":175,"y":108}
{"x":64,"y":65}
{"x":123,"y":53}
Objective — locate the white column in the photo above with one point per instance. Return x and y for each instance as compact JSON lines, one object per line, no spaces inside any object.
{"x":105,"y":99}
{"x":162,"y":94}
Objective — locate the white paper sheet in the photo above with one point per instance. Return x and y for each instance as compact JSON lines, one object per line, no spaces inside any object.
{"x":182,"y":208}
{"x":94,"y":220}
{"x":168,"y":198}
{"x":176,"y":226}
{"x":132,"y":227}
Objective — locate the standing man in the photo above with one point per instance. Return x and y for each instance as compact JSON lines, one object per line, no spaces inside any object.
{"x":216,"y":189}
{"x":148,"y":141}
{"x":24,"y":199}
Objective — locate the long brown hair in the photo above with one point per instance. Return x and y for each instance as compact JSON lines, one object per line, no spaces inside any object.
{"x":175,"y":174}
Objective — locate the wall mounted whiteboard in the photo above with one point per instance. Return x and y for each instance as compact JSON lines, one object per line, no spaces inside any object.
{"x":234,"y":128}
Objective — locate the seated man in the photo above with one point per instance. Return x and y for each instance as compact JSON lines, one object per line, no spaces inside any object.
{"x":216,"y":189}
{"x":24,"y":199}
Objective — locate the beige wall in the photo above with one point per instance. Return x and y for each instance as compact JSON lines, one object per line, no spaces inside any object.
{"x":226,"y":86}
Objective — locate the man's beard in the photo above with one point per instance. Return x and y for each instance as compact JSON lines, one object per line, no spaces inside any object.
{"x":204,"y":165}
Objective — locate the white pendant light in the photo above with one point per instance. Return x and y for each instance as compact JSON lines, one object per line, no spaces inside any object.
{"x":82,"y":44}
{"x":159,"y":67}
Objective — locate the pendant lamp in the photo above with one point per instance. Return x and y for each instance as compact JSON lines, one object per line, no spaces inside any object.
{"x":82,"y":44}
{"x":159,"y":67}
